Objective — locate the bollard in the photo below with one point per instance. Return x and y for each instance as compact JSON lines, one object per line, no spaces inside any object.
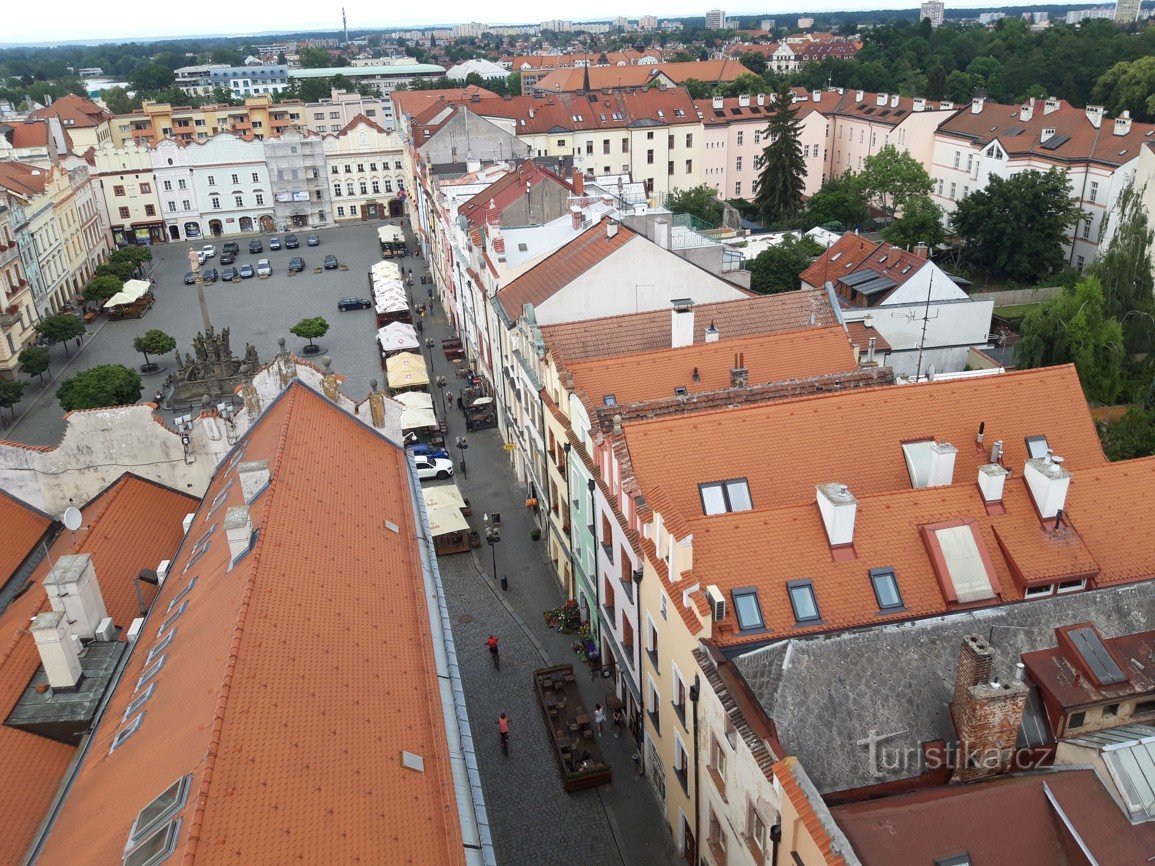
{"x":505,"y":581}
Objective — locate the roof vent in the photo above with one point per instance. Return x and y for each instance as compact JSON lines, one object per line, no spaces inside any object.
{"x":838,"y":508}
{"x":711,"y":334}
{"x":717,"y":602}
{"x":413,"y":762}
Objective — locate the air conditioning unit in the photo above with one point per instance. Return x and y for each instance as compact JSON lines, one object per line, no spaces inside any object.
{"x":162,"y":571}
{"x":717,"y":602}
{"x":106,"y":630}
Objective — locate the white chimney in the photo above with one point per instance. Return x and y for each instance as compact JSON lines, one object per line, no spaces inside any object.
{"x":254,"y":475}
{"x":1026,"y":112}
{"x":57,"y":648}
{"x":1095,"y":115}
{"x":761,"y":98}
{"x":682,"y":323}
{"x":945,"y":105}
{"x":1048,"y":131}
{"x":1048,"y":482}
{"x":838,"y":508}
{"x":611,"y":228}
{"x":711,"y":334}
{"x":977,"y":105}
{"x":662,"y":233}
{"x":859,"y":95}
{"x":1123,"y":123}
{"x":894,"y":98}
{"x":1049,"y":106}
{"x":992,"y":477}
{"x":743,"y":100}
{"x":880,"y":99}
{"x":187,"y":522}
{"x":816,"y":95}
{"x":238,"y":530}
{"x":941,"y":472}
{"x":719,"y":103}
{"x":73,"y":590}
{"x":919,"y":104}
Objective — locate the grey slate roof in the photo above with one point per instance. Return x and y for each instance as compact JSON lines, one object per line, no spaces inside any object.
{"x":830,"y":697}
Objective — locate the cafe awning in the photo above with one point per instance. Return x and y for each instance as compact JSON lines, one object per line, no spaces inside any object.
{"x":442,"y":495}
{"x":130,"y":292}
{"x":406,"y":370}
{"x":397,"y":336}
{"x":443,"y":504}
{"x":385,"y":271}
{"x":417,"y":419}
{"x":387,"y":284}
{"x":415,"y":400}
{"x":390,"y":304}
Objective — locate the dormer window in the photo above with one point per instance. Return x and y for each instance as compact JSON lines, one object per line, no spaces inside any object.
{"x":722,"y":497}
{"x":610,"y":400}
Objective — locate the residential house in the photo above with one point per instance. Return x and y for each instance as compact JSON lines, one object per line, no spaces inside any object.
{"x":666,"y":75}
{"x":128,"y":200}
{"x":182,"y":758}
{"x":17,"y":313}
{"x":299,"y":179}
{"x":38,"y":142}
{"x":173,"y":174}
{"x":1100,"y":156}
{"x":336,"y":112}
{"x":366,"y":172}
{"x":924,"y":315}
{"x":1145,"y":181}
{"x":229,"y":178}
{"x":257,"y":118}
{"x":450,"y":134}
{"x":85,"y":122}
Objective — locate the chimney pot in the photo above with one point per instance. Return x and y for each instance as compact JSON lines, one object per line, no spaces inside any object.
{"x":72,"y":589}
{"x":712,"y":335}
{"x":992,"y":478}
{"x":987,"y":714}
{"x":838,"y":508}
{"x":611,"y":228}
{"x":739,"y":374}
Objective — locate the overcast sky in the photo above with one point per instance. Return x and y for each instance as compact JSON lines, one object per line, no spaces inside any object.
{"x":85,"y":19}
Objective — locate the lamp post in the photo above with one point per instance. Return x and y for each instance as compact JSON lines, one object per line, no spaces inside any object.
{"x":461,"y":446}
{"x":429,"y":345}
{"x":493,"y":536}
{"x":441,"y":383}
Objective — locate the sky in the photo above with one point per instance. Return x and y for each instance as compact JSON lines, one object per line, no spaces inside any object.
{"x":72,"y":20}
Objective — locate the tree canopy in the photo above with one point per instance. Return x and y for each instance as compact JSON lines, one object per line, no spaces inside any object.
{"x":783,"y":175}
{"x":1016,"y":227}
{"x":890,"y":177}
{"x":1129,"y":86}
{"x":310,"y":329}
{"x":35,"y":361}
{"x":1124,"y":270}
{"x":60,"y":329}
{"x":11,"y":392}
{"x":839,"y":204}
{"x":778,"y":268}
{"x":153,"y":342}
{"x":921,"y":222}
{"x":102,"y":288}
{"x":700,"y":201}
{"x":106,"y":385}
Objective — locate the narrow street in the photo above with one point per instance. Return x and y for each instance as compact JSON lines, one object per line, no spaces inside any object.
{"x":533,"y":820}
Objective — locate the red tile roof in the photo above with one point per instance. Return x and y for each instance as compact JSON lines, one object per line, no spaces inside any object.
{"x":767,"y":357}
{"x":628,"y":334}
{"x":787,"y":773}
{"x":24,"y":526}
{"x":134,"y":524}
{"x":853,"y":253}
{"x":588,"y":111}
{"x":74,"y":111}
{"x":595,"y":78}
{"x":487,"y":205}
{"x":414,"y":102}
{"x":1066,"y":679}
{"x":297,"y":676}
{"x":28,"y":133}
{"x":705,"y":70}
{"x":23,"y":179}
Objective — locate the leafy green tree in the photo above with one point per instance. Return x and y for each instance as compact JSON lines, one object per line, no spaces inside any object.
{"x":1131,"y":436}
{"x":319,"y":58}
{"x":122,"y":270}
{"x":1074,"y":327}
{"x":921,"y":222}
{"x":226,"y":55}
{"x":840,"y":202}
{"x":118,"y":100}
{"x":151,"y":78}
{"x":1016,"y":227}
{"x":310,"y":329}
{"x":890,"y":177}
{"x":35,"y":361}
{"x":134,"y":255}
{"x":1129,"y":86}
{"x":700,"y":201}
{"x":936,"y":80}
{"x":153,"y":342}
{"x":513,"y":84}
{"x":753,"y":61}
{"x":1124,"y":269}
{"x":783,"y":174}
{"x":698,"y":89}
{"x":101,"y":289}
{"x":106,"y":385}
{"x":778,"y":268}
{"x":60,"y":329}
{"x":744,"y":84}
{"x":11,"y":392}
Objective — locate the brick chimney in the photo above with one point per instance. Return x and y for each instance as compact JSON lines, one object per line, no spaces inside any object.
{"x":575,"y":214}
{"x":920,"y":250}
{"x":579,"y":182}
{"x":739,"y":375}
{"x":987,"y":714}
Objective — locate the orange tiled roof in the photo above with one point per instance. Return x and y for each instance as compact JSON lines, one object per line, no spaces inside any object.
{"x":74,"y":111}
{"x":29,"y":133}
{"x":767,"y":357}
{"x":134,"y":524}
{"x":562,"y":267}
{"x":416,"y":101}
{"x":704,"y":70}
{"x":588,"y":111}
{"x":24,"y":526}
{"x":598,"y":77}
{"x":852,"y":253}
{"x":296,"y":677}
{"x":611,"y":336}
{"x":785,"y":772}
{"x":23,"y":179}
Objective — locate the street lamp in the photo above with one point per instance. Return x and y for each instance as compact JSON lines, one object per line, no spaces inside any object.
{"x":493,"y":536}
{"x":429,"y":344}
{"x":461,"y":446}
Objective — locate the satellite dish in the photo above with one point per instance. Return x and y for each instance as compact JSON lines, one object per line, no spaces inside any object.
{"x":72,"y":518}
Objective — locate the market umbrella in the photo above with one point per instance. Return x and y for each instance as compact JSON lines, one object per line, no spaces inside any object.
{"x":413,"y":419}
{"x":415,"y":400}
{"x":406,"y":370}
{"x":397,"y":336}
{"x":131,"y":291}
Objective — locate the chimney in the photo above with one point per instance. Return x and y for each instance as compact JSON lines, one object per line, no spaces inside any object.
{"x":1026,"y":112}
{"x":1050,"y":106}
{"x":870,"y":345}
{"x":711,"y":334}
{"x":1048,"y":482}
{"x":57,"y":648}
{"x":579,"y":183}
{"x":254,"y":476}
{"x":816,"y":95}
{"x":73,"y":590}
{"x":1123,"y":123}
{"x":1047,"y":132}
{"x":920,"y":250}
{"x":376,"y":406}
{"x":238,"y":530}
{"x":894,"y":99}
{"x":992,"y":477}
{"x":919,"y":104}
{"x":662,"y":233}
{"x":761,"y":98}
{"x":472,"y":166}
{"x":718,"y":103}
{"x":575,"y":213}
{"x":859,"y":95}
{"x":941,"y":472}
{"x":880,"y":99}
{"x":977,"y":105}
{"x":1095,"y":115}
{"x":611,"y":229}
{"x":739,"y":375}
{"x":743,"y":100}
{"x":531,"y":112}
{"x":838,"y":508}
{"x":987,"y":714}
{"x":946,"y":105}
{"x":682,"y":323}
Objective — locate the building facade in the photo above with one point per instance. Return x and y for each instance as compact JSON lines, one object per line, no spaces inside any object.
{"x":128,"y":197}
{"x":299,"y":179}
{"x":365,"y":171}
{"x":17,"y":311}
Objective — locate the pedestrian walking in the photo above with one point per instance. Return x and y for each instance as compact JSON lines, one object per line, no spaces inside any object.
{"x":419,"y":326}
{"x":599,"y":718}
{"x":429,"y":293}
{"x":449,"y":398}
{"x":616,"y":721}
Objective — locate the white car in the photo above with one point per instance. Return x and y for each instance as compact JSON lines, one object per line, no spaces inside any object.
{"x":208,"y":251}
{"x":433,"y":467}
{"x":264,"y":269}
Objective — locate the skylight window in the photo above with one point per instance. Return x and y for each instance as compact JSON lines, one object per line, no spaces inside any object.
{"x":155,"y":848}
{"x":160,"y":647}
{"x":1037,"y":446}
{"x":150,"y":673}
{"x":126,"y":732}
{"x":173,"y":617}
{"x":721,"y":497}
{"x":747,"y":609}
{"x":139,"y":701}
{"x":200,"y":547}
{"x":610,"y":400}
{"x":681,"y":391}
{"x":886,"y":589}
{"x":917,"y":456}
{"x":167,"y":804}
{"x":220,"y":498}
{"x":185,"y":590}
{"x":964,"y":563}
{"x":803,"y":601}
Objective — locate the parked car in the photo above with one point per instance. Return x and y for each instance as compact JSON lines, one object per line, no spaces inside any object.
{"x":202,"y":257}
{"x":190,"y":278}
{"x":209,"y":250}
{"x":274,"y":243}
{"x":330,"y":263}
{"x":255,"y":246}
{"x":209,"y":275}
{"x":354,"y":304}
{"x":264,"y":269}
{"x":228,"y":258}
{"x":228,"y":274}
{"x":246,"y":271}
{"x":231,"y":247}
{"x":291,"y":242}
{"x":313,"y":241}
{"x":296,"y":263}
{"x":433,"y":467}
{"x":422,"y":449}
